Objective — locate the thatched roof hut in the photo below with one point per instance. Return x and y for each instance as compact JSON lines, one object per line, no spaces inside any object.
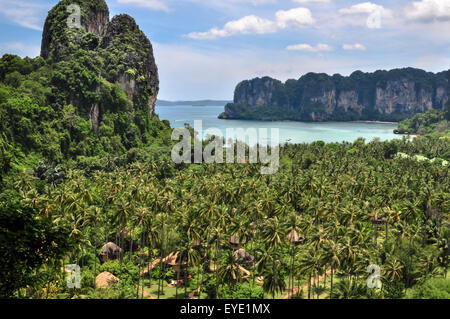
{"x":243,"y":257}
{"x":295,"y":238}
{"x":155,"y":263}
{"x":105,"y":280}
{"x":111,"y":251}
{"x":173,"y":260}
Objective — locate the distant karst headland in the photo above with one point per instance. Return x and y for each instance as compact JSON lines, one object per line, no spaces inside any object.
{"x":380,"y":96}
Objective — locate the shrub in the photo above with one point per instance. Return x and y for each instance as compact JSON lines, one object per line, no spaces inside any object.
{"x":128,"y":273}
{"x":434,"y":288}
{"x":13,"y":79}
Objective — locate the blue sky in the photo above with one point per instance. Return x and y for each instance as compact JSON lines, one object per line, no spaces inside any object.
{"x":204,"y":48}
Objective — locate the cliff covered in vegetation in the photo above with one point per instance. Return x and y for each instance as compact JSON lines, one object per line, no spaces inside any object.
{"x":384,"y":96}
{"x":91,"y":93}
{"x":117,"y":51}
{"x":432,"y":122}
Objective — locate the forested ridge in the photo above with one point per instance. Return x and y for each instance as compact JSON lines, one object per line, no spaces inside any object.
{"x":432,"y":122}
{"x":113,"y":202}
{"x":393,"y":95}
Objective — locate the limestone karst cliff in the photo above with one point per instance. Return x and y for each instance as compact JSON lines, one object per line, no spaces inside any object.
{"x":108,"y":52}
{"x":384,"y":95}
{"x":136,"y":70}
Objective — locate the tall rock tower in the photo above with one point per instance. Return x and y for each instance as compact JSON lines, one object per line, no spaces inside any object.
{"x":125,"y":52}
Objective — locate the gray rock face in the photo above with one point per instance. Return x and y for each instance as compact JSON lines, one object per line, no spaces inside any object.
{"x":348,"y":100}
{"x":327,"y":98}
{"x":257,"y":92}
{"x":401,"y":96}
{"x":128,"y":84}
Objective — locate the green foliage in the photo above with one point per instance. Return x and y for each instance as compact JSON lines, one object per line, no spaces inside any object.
{"x":46,"y":109}
{"x":87,"y":278}
{"x":6,"y":156}
{"x":13,"y":79}
{"x":433,"y":288}
{"x":122,"y":290}
{"x":346,"y":289}
{"x":393,"y":290}
{"x":26,"y":241}
{"x":248,"y":291}
{"x":13,"y":64}
{"x":54,"y":174}
{"x":432,"y":121}
{"x":127,"y":272}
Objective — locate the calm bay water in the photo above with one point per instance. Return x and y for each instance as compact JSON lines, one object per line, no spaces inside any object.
{"x":292,"y":132}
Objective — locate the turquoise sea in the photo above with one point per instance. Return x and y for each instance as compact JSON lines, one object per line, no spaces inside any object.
{"x":292,"y":132}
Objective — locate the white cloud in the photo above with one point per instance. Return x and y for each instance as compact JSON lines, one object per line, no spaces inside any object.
{"x":366,"y":7}
{"x":309,"y":48}
{"x":26,"y":14}
{"x":428,"y":10}
{"x":188,"y":73}
{"x":159,"y":5}
{"x":355,"y":46}
{"x":298,"y":17}
{"x":246,"y":25}
{"x":374,"y":12}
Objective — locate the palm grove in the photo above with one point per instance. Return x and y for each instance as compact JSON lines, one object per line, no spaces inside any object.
{"x":216,"y":231}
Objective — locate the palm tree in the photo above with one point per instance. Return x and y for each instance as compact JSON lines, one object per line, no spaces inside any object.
{"x":273,"y":280}
{"x":162,"y":221}
{"x":293,"y":227}
{"x":393,"y":271}
{"x":231,"y":272}
{"x":123,"y":213}
{"x":347,"y":289}
{"x":273,"y":234}
{"x":331,"y":255}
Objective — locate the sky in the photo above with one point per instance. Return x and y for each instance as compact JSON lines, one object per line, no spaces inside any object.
{"x":204,"y":48}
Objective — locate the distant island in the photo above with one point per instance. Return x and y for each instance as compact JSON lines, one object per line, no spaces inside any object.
{"x":192,"y":103}
{"x":389,"y":96}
